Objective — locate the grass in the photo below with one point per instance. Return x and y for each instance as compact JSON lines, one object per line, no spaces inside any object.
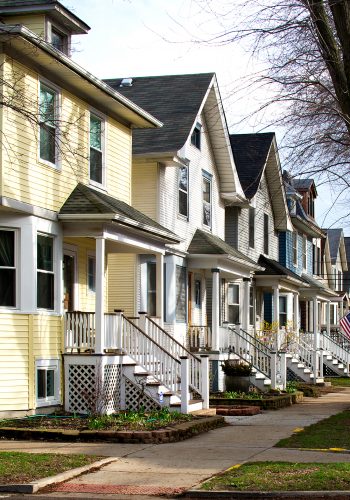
{"x":339,"y":382}
{"x":332,"y":432}
{"x":19,"y":468}
{"x":282,"y":476}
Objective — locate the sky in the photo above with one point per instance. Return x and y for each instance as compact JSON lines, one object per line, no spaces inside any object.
{"x":157,"y":37}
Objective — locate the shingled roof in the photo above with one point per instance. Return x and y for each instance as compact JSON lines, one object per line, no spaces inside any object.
{"x":334,"y":236}
{"x":250,"y":152}
{"x":205,"y":243}
{"x":174,"y":99}
{"x":274,"y":268}
{"x":85,"y":200}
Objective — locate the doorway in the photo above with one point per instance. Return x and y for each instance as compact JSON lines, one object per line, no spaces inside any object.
{"x":69,"y":262}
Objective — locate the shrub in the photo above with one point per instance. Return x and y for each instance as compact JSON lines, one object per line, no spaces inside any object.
{"x":236,"y":368}
{"x":309,"y":390}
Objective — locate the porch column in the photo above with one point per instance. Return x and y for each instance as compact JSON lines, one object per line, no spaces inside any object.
{"x":215,"y":314}
{"x":100,"y":296}
{"x":296,"y":314}
{"x":160,"y":288}
{"x":245,"y":308}
{"x":316,"y":336}
{"x":276,"y":312}
{"x":328,"y":318}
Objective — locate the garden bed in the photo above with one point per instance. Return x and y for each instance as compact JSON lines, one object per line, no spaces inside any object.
{"x":237,"y":411}
{"x":266,"y":403}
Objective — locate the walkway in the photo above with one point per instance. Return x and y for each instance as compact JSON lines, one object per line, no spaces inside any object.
{"x":170,"y":468}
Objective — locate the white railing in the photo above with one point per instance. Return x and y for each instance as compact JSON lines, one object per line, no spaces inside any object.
{"x":304,"y":352}
{"x":337,"y":349}
{"x":79,"y":331}
{"x":199,"y":337}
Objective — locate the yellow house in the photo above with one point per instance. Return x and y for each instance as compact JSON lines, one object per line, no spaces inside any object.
{"x":65,"y":189}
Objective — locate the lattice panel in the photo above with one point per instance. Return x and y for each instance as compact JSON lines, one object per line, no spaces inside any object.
{"x":293,"y":377}
{"x":133,"y":398}
{"x":328,"y":372}
{"x":111,"y":388}
{"x":81,"y":380}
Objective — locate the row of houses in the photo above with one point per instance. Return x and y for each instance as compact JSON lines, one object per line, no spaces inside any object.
{"x":141,"y":243}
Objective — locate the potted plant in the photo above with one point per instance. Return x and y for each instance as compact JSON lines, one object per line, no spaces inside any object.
{"x":237,"y":374}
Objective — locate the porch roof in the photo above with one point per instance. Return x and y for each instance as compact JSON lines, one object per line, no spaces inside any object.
{"x":205,"y":243}
{"x":315,"y":284}
{"x":274,"y":268}
{"x":86,"y":203}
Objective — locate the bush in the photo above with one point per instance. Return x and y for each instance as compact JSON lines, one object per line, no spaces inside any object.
{"x":309,"y":390}
{"x":236,"y":368}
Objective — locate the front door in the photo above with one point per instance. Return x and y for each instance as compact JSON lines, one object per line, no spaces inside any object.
{"x":68,"y":281}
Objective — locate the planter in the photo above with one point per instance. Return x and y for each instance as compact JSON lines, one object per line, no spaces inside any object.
{"x":237,"y":383}
{"x":268,"y":403}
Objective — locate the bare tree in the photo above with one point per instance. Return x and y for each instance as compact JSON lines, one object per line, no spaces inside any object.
{"x":305,"y":49}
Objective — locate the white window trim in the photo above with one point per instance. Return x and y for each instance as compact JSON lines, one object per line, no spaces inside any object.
{"x":73,"y":252}
{"x":103,"y":119}
{"x":90,"y":255}
{"x":304,"y":253}
{"x":238,"y":284}
{"x":58,"y":114}
{"x":206,"y":176}
{"x":16,"y":267}
{"x":180,"y":215}
{"x":48,"y":364}
{"x":60,"y":29}
{"x":295,"y":235}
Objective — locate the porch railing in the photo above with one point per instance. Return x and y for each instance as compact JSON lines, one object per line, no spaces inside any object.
{"x":338,"y":346}
{"x":304,"y":352}
{"x":250,"y":349}
{"x":79,"y":331}
{"x":199,"y":337}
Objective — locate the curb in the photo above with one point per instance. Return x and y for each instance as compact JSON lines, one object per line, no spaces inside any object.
{"x":262,"y":495}
{"x":35,"y":486}
{"x":179,"y":432}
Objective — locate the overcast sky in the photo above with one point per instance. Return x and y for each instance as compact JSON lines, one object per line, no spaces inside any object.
{"x":156,"y":37}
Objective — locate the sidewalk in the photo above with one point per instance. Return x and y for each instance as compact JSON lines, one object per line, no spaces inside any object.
{"x":171,"y":468}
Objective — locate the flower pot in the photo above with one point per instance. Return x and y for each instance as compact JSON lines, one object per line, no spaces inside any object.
{"x":237,"y":383}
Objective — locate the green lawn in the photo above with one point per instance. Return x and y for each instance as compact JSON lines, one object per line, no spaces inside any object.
{"x":333,"y":432}
{"x":16,"y":467}
{"x":279,"y":476}
{"x":339,"y":382}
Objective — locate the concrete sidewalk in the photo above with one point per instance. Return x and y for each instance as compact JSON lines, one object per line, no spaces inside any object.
{"x":168,"y":469}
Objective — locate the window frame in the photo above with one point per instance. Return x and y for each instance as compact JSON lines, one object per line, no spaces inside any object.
{"x":102,"y":119}
{"x":91,"y":256}
{"x":196,"y":136}
{"x":42,"y":82}
{"x":50,"y":26}
{"x":266,"y":234}
{"x":184,"y":275}
{"x":45,"y":271}
{"x":295,"y":247}
{"x":15,"y":267}
{"x":233,"y":304}
{"x":284,"y":313}
{"x":251,"y":227}
{"x":304,"y":252}
{"x":181,"y":190}
{"x":151,"y":294}
{"x":48,"y":365}
{"x":207,"y":178}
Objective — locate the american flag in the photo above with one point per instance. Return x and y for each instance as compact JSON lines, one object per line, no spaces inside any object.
{"x":345,"y":324}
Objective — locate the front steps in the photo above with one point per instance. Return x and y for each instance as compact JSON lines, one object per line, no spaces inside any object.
{"x":335,"y":365}
{"x":301,"y":371}
{"x":260,"y":381}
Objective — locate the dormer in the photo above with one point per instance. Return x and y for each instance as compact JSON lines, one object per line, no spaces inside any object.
{"x":292,"y":195}
{"x":307,"y":188}
{"x":48,"y":19}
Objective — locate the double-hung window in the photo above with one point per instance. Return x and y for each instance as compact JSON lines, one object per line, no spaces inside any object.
{"x":45,"y":272}
{"x":91,"y":273}
{"x":96,"y":149}
{"x":206,"y":188}
{"x":48,"y":119}
{"x":183,"y":191}
{"x":151,"y":288}
{"x":304,"y":252}
{"x":251,"y":227}
{"x":196,"y":136}
{"x":283,"y":310}
{"x":181,"y":294}
{"x":7,"y":268}
{"x":233,"y":303}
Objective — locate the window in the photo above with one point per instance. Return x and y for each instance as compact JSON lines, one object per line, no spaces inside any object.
{"x":196,"y":136}
{"x":91,"y":273}
{"x":283,"y":311}
{"x":198,"y":293}
{"x":151,"y":288}
{"x":266,"y":234}
{"x":233,"y":303}
{"x":47,"y":382}
{"x":251,"y":306}
{"x":206,"y":183}
{"x":304,"y":252}
{"x":339,"y":287}
{"x":48,"y":104}
{"x":333,"y":314}
{"x":251,"y":227}
{"x":45,"y":272}
{"x":181,"y":284}
{"x":295,"y":248}
{"x":7,"y":268}
{"x":183,"y":191}
{"x":96,"y":149}
{"x":59,"y":40}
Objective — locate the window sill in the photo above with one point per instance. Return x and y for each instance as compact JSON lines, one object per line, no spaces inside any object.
{"x":183,"y":217}
{"x":97,"y":185}
{"x":53,"y":166}
{"x":42,"y":403}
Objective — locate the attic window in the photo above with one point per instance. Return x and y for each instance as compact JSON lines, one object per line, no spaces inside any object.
{"x":196,"y":136}
{"x":59,"y":40}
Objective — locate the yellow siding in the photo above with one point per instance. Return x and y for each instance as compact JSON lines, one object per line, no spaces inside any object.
{"x":14,"y":362}
{"x":35,"y":23}
{"x":30,"y":180}
{"x":145,"y":188}
{"x":121,"y":282}
{"x":118,"y":157}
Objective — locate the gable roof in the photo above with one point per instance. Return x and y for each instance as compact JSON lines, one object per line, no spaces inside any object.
{"x":347,"y":247}
{"x":250,"y":152}
{"x":177,"y":100}
{"x":274,"y":268}
{"x":86,"y":203}
{"x":336,"y":242}
{"x":305,"y":223}
{"x":205,"y":243}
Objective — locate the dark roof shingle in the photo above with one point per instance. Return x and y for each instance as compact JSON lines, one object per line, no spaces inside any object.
{"x":274,"y":268}
{"x":174,"y":99}
{"x":334,"y":236}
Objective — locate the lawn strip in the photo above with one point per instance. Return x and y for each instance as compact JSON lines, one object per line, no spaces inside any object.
{"x":21,"y":468}
{"x":282,"y":476}
{"x":339,"y":381}
{"x":332,"y":432}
